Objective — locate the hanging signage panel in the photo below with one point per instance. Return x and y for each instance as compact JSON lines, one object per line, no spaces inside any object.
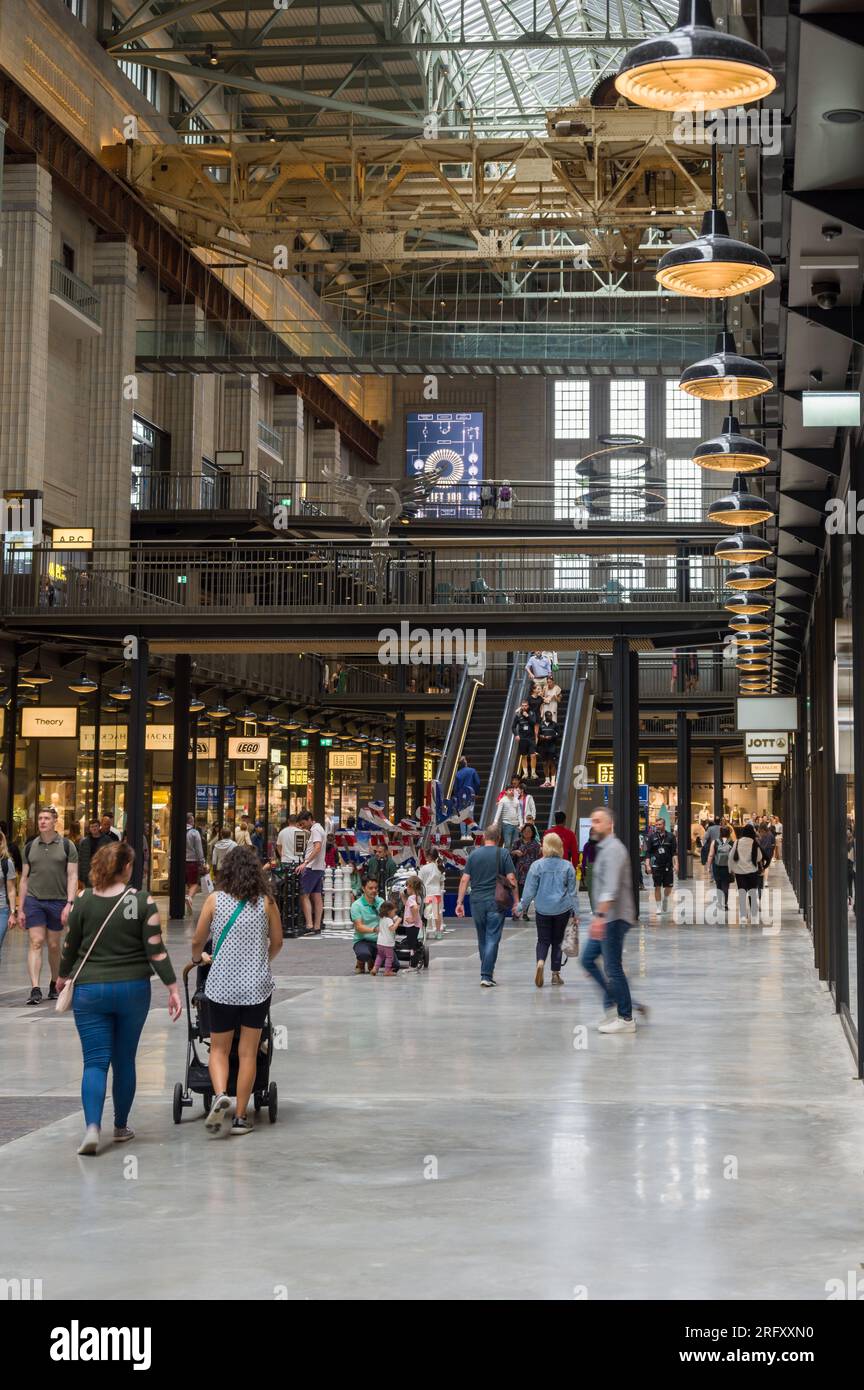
{"x":767,"y":745}
{"x":256,"y":748}
{"x":347,"y":760}
{"x":767,"y":770}
{"x":767,"y":712}
{"x":72,"y":538}
{"x":44,"y":721}
{"x":112,"y":738}
{"x":204,"y":748}
{"x":159,"y":737}
{"x":606,"y":773}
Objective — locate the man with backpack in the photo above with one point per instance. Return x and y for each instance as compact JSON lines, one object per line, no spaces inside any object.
{"x":719,"y":857}
{"x":49,"y":884}
{"x":661,"y":862}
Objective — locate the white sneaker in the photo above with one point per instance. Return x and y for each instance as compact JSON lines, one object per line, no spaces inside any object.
{"x":608,"y":1016}
{"x":90,"y":1142}
{"x":618,"y":1025}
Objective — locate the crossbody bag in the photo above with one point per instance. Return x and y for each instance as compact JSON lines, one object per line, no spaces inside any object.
{"x":227,"y":927}
{"x":64,"y":1002}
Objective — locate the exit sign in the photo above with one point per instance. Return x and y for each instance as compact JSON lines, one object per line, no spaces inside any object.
{"x":326,"y":742}
{"x":304,"y":742}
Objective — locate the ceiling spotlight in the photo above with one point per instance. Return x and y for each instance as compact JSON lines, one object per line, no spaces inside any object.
{"x":748,"y":577}
{"x":741,"y":548}
{"x":725,"y":375}
{"x":212,"y":58}
{"x":715,"y":265}
{"x":742,"y":605}
{"x":843,"y":115}
{"x":159,"y":699}
{"x":731,"y":451}
{"x":695,"y":67}
{"x":740,"y":508}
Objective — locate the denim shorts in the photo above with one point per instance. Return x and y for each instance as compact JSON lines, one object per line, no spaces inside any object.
{"x":311,"y":880}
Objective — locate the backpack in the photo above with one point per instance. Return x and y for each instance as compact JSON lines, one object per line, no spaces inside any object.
{"x":722,"y":852}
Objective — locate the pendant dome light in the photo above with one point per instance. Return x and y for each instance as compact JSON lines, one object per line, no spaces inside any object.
{"x":749,"y":643}
{"x":159,"y":699}
{"x":196,"y":705}
{"x":741,"y":548}
{"x":740,"y":508}
{"x":716,"y":265}
{"x":745,"y":627}
{"x":35,"y":675}
{"x":83,"y":684}
{"x":746,"y":605}
{"x":725,"y":375}
{"x":731,"y":451}
{"x":269,"y":720}
{"x":219,"y":711}
{"x":695,"y":67}
{"x":747,"y":577}
{"x":122,"y":693}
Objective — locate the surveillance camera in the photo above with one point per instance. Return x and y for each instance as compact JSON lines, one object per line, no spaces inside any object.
{"x":826,"y":293}
{"x":816,"y":375}
{"x":831,"y":232}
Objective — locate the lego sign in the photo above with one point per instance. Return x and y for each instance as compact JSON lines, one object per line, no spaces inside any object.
{"x":606,"y":773}
{"x":255,"y":749}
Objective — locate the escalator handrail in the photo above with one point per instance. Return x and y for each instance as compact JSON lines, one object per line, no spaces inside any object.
{"x":575,"y":719}
{"x":502,"y":758}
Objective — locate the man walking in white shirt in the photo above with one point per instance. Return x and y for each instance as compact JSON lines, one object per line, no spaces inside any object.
{"x":312,"y":873}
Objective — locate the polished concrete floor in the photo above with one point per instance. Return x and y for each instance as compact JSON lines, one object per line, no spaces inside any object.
{"x":436,"y":1140}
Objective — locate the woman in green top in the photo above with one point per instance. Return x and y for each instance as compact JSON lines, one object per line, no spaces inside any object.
{"x":112,"y":991}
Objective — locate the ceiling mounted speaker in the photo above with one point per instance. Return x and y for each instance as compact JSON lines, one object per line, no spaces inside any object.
{"x":716,"y":265}
{"x":748,"y":577}
{"x":725,"y":375}
{"x":742,"y":548}
{"x":731,"y":451}
{"x":695,"y":67}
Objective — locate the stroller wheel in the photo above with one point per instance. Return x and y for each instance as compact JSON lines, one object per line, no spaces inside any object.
{"x":207,"y":1097}
{"x":177,"y":1106}
{"x":425,"y":957}
{"x":257,"y":1101}
{"x":272,"y":1102}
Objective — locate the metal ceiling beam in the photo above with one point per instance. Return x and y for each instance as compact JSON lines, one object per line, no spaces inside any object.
{"x":276,"y":89}
{"x":290,"y":55}
{"x":126,"y":35}
{"x":847,"y":321}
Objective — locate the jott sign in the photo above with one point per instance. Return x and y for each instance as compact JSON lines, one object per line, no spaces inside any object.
{"x":774,"y":745}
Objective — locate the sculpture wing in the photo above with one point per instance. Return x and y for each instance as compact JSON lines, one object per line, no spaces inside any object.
{"x":353,"y":494}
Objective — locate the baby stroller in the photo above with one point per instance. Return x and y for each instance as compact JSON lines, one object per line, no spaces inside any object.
{"x":197,"y":1073}
{"x":411,"y":943}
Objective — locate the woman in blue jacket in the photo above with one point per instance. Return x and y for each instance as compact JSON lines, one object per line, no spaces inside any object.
{"x":551,"y":882}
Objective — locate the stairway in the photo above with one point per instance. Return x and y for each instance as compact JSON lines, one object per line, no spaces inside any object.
{"x":482,"y":735}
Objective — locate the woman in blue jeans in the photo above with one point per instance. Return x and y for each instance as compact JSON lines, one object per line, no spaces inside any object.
{"x":120,"y":930}
{"x":551,"y":880}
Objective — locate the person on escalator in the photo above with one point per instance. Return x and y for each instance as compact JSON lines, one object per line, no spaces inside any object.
{"x":548,"y":747}
{"x":466,"y":786}
{"x":524,"y":730}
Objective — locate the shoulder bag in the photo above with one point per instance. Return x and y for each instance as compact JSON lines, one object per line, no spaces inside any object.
{"x":503,"y":890}
{"x":227,"y":927}
{"x":64,"y":1002}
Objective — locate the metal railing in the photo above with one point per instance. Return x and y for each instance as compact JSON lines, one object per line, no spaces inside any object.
{"x":204,"y":492}
{"x":328,"y":577}
{"x":709,"y":675}
{"x":528,"y":500}
{"x":66,"y":285}
{"x":719,"y":725}
{"x":270,"y":438}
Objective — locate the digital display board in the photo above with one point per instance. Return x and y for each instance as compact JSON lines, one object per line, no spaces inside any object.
{"x":450,"y":442}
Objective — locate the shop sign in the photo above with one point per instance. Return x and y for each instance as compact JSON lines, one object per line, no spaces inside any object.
{"x":300,"y":760}
{"x":43,"y":721}
{"x":72,"y":538}
{"x":159,"y":737}
{"x":346,"y":760}
{"x":114,"y":774}
{"x":766,"y":745}
{"x":112,"y":738}
{"x":771,"y":770}
{"x":606,"y":773}
{"x":204,"y":747}
{"x":298,"y":777}
{"x":256,"y":749}
{"x":762,"y":713}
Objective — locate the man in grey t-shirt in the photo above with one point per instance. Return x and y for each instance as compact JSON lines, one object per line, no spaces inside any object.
{"x":481,"y":876}
{"x":614,"y":915}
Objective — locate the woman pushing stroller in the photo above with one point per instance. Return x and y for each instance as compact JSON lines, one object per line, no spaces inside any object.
{"x":243,"y":921}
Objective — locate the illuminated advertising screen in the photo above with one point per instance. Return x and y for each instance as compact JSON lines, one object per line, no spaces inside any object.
{"x":450,"y":443}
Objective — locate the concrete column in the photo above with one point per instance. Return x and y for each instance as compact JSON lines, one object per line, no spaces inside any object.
{"x":183,"y":398}
{"x":327,"y":449}
{"x":289,"y":416}
{"x":179,"y":774}
{"x":625,"y":748}
{"x":136,"y":811}
{"x":25,"y":282}
{"x":112,"y":404}
{"x":685,"y":812}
